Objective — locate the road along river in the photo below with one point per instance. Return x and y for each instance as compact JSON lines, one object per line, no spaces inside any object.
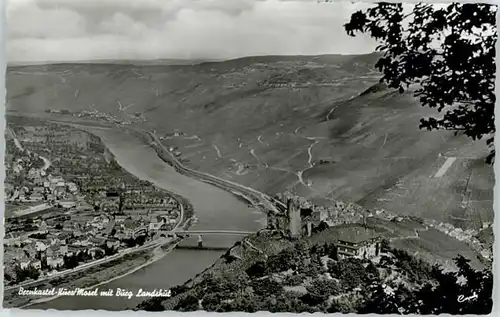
{"x":214,"y":208}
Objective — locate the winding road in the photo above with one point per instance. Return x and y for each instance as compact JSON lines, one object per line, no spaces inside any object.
{"x":265,"y":200}
{"x":217,"y":150}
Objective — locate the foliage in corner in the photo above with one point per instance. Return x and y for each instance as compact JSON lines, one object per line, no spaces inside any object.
{"x":448,"y":51}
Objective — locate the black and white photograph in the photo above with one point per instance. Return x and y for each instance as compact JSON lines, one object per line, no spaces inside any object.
{"x":249,"y":156}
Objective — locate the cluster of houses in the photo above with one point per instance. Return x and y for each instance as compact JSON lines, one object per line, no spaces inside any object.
{"x":29,"y":189}
{"x":337,"y":213}
{"x":60,"y":236}
{"x":91,"y":220}
{"x":469,"y":236}
{"x":17,"y":165}
{"x":95,"y":114}
{"x":134,"y":199}
{"x":45,"y":188}
{"x":301,"y":218}
{"x":52,"y":136}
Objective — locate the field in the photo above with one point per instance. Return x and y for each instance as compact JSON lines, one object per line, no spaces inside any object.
{"x":276,"y":123}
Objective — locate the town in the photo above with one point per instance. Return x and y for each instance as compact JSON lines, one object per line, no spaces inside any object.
{"x":310,"y":258}
{"x":123,"y":119}
{"x":302,"y":219}
{"x":69,"y":204}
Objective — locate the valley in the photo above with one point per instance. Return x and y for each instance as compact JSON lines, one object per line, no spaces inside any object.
{"x":318,"y":126}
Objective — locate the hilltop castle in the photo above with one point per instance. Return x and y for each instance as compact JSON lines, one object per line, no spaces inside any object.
{"x":296,"y":221}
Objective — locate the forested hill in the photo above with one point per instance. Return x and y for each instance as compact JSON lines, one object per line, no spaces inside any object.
{"x":272,"y":274}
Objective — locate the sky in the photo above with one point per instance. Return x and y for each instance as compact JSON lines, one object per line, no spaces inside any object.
{"x":77,"y":30}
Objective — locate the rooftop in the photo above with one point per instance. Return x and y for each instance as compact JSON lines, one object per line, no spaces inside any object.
{"x":356,"y":234}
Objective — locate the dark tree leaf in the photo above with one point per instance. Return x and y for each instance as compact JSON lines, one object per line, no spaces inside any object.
{"x":448,"y":52}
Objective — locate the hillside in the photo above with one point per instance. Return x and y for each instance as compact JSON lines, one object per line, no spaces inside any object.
{"x":268,"y":273}
{"x":276,"y":123}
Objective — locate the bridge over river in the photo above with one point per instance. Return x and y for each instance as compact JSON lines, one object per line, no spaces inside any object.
{"x":212,"y":232}
{"x":190,"y":243}
{"x":145,"y":230}
{"x":223,"y":220}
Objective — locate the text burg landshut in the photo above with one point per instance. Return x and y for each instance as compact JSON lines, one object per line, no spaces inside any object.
{"x":95,"y":292}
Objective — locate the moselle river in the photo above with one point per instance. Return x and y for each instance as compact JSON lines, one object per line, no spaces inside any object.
{"x":214,"y":208}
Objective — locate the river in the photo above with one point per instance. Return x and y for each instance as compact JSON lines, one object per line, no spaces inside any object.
{"x":214,"y":208}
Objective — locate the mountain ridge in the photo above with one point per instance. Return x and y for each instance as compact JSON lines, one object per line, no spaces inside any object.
{"x":173,"y":61}
{"x":274,"y":123}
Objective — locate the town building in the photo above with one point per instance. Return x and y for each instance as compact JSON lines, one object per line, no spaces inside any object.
{"x":155,"y":226}
{"x":112,"y":243}
{"x":23,"y":261}
{"x":55,"y":261}
{"x":358,"y":241}
{"x":37,"y":264}
{"x":66,"y":203}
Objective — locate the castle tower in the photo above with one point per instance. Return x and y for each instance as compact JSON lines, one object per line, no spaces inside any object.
{"x":294,"y":219}
{"x":121,"y":198}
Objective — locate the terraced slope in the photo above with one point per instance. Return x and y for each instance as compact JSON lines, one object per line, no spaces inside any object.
{"x":275,"y":123}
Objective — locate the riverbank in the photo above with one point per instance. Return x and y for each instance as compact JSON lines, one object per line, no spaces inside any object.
{"x":108,"y":269}
{"x":216,"y":209}
{"x":231,"y":265}
{"x":111,"y":269}
{"x":89,"y":278}
{"x":268,"y":273}
{"x":254,"y":197}
{"x":185,"y":221}
{"x":258,"y":199}
{"x":156,"y":253}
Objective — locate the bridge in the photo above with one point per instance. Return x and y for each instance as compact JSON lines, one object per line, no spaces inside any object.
{"x":197,"y":248}
{"x":144,"y":230}
{"x":201,"y":233}
{"x":212,"y":232}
